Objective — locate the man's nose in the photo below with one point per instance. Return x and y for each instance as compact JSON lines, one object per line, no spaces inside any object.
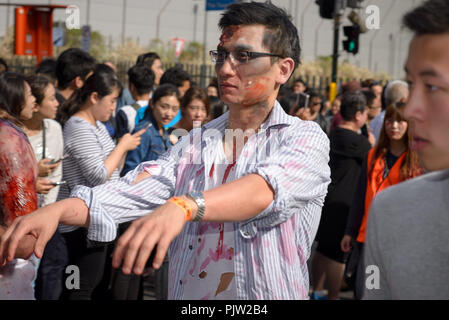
{"x":225,"y":68}
{"x":414,"y":108}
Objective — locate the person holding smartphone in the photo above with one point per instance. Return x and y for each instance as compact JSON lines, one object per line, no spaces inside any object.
{"x":45,"y":135}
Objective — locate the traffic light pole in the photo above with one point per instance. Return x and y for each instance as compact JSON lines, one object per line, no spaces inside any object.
{"x":333,"y":86}
{"x":336,"y":43}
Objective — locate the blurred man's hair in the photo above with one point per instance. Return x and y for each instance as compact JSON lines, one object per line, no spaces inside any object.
{"x":432,"y":17}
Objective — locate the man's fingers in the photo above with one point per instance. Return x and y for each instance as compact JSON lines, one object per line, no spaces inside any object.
{"x":162,"y":248}
{"x":145,"y":250}
{"x":41,"y":242}
{"x":13,"y":236}
{"x":122,"y":244}
{"x":135,"y":246}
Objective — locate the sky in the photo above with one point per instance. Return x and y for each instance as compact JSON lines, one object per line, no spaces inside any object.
{"x":384,"y":49}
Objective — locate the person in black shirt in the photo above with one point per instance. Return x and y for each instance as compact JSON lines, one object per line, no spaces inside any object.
{"x":347,"y":151}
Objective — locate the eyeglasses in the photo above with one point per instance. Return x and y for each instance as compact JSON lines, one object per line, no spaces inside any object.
{"x":238,"y":57}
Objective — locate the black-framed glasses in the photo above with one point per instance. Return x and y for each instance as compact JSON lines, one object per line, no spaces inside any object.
{"x":239,"y":57}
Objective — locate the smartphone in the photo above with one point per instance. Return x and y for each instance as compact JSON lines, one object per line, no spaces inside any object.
{"x":58,"y":183}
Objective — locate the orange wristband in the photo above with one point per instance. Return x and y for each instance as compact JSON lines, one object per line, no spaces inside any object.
{"x":181,"y":203}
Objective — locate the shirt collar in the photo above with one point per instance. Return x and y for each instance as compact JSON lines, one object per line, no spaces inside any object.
{"x":276,"y":118}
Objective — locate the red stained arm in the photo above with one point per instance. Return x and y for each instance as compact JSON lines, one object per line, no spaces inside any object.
{"x":18,"y":171}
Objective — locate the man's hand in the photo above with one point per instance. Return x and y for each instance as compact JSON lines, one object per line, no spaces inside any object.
{"x":157,"y":229}
{"x":41,"y":224}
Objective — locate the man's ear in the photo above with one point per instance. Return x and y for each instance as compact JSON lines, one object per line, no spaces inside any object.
{"x":286,"y":66}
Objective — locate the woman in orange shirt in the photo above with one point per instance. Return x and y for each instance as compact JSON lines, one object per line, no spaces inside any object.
{"x":390,"y":162}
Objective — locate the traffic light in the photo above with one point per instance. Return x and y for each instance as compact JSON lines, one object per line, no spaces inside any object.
{"x":327,"y":8}
{"x":351,"y":44}
{"x":330,"y":7}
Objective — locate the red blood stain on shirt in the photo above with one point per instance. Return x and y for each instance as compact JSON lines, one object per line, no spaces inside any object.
{"x":18,"y":172}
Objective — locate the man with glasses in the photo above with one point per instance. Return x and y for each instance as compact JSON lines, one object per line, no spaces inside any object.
{"x":239,"y":218}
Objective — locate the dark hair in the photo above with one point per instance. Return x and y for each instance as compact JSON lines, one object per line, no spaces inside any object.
{"x":300,"y":80}
{"x":147,"y":59}
{"x":176,"y":76}
{"x":38,"y":85}
{"x":73,"y":63}
{"x":103,"y":81}
{"x":161,"y":91}
{"x":47,"y":68}
{"x":351,"y":103}
{"x":196,"y":93}
{"x":410,"y":167}
{"x":4,"y":64}
{"x":12,"y":96}
{"x":432,"y":17}
{"x":217,"y":106}
{"x":281,"y":36}
{"x":213,"y":82}
{"x":369,"y":96}
{"x":142,"y":78}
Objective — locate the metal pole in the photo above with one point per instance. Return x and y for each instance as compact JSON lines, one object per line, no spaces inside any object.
{"x":203,"y":67}
{"x":158,"y":20}
{"x":336,"y":42}
{"x":316,"y":37}
{"x":7,"y":20}
{"x":195,"y":18}
{"x":88,"y":13}
{"x":123,"y":21}
{"x":302,"y":19}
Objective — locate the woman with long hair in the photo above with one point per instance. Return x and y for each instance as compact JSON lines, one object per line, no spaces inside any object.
{"x":92,"y":159}
{"x":163,"y":107}
{"x":390,"y":162}
{"x":18,"y":173}
{"x":45,"y":135}
{"x":195,"y":112}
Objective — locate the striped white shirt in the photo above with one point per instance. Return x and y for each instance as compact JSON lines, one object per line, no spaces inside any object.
{"x":87,"y":148}
{"x":271,"y":249}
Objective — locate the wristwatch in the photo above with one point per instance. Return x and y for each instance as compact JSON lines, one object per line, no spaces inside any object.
{"x":200,"y":202}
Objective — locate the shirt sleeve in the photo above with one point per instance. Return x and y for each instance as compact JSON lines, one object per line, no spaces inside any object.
{"x":18,"y":171}
{"x":83,"y":145}
{"x":121,"y":200}
{"x":357,"y":210}
{"x":375,"y":287}
{"x":298,"y":172}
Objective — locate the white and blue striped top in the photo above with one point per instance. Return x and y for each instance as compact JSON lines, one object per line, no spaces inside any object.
{"x":271,"y":249}
{"x":87,"y":148}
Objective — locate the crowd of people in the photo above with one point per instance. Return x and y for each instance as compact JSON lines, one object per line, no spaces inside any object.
{"x":111,"y":180}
